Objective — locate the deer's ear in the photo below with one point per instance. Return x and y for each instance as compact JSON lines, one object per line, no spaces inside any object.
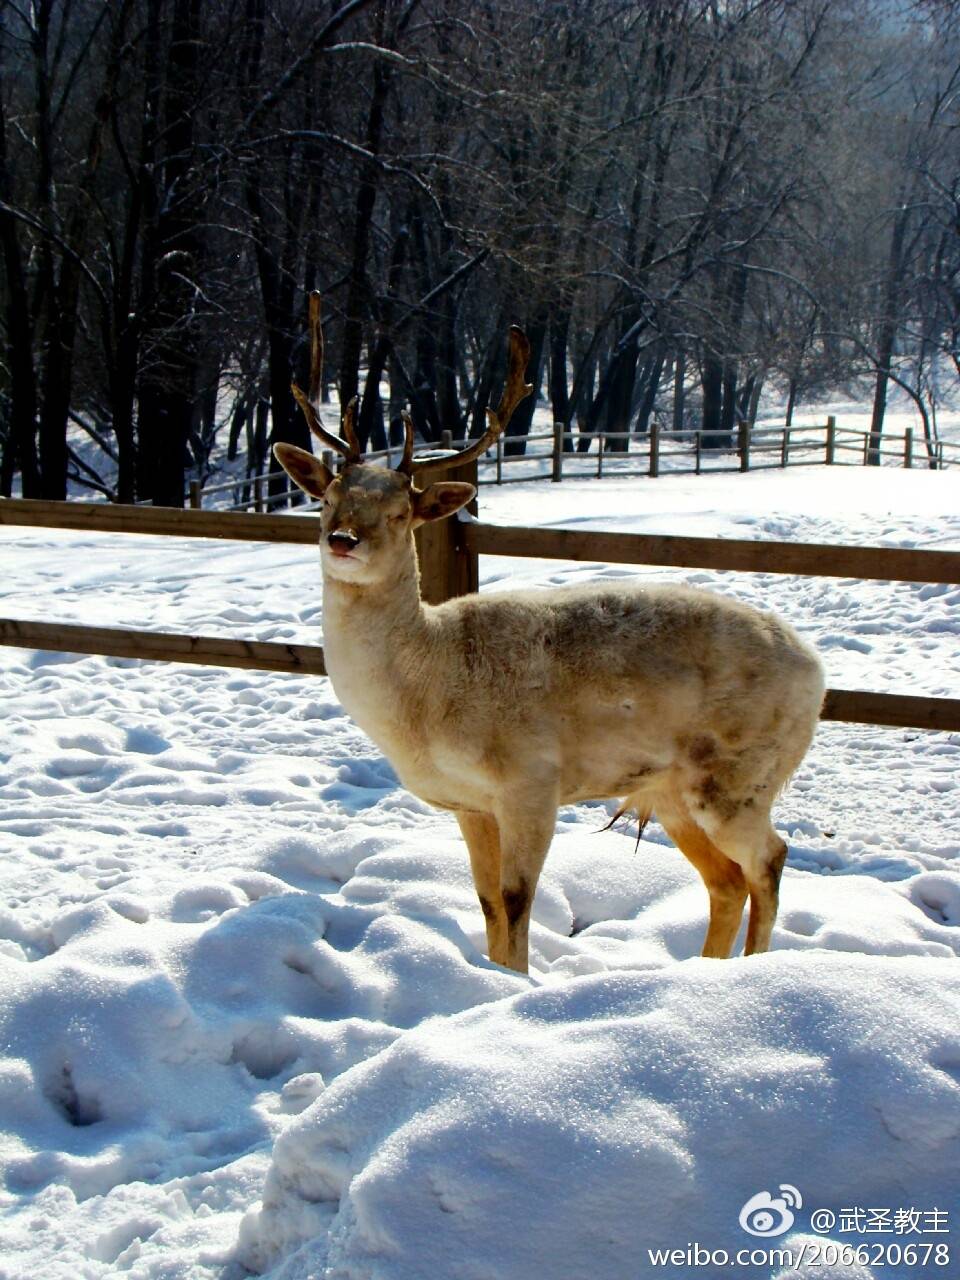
{"x":303,"y":469}
{"x":441,"y":499}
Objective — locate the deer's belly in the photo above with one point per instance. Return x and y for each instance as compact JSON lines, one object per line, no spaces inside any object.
{"x":462,"y":779}
{"x":610,"y":754}
{"x":609,"y":760}
{"x":598,"y":777}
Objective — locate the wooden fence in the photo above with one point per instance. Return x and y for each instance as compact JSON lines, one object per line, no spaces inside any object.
{"x":449,"y":552}
{"x":556,"y":455}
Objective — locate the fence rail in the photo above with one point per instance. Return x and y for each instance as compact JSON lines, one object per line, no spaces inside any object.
{"x":163,"y":646}
{"x":817,"y":560}
{"x":467,"y":541}
{"x":653,"y":453}
{"x":851,"y":706}
{"x":744,"y":555}
{"x":107,"y":517}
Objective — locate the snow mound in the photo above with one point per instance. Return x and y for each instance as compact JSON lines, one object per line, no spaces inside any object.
{"x":174,"y":1039}
{"x":565,"y":1131}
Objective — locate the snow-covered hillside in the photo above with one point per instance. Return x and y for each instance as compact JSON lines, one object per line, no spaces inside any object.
{"x":246,"y":1021}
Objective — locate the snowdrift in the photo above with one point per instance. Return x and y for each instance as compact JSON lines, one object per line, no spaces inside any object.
{"x":564,"y":1132}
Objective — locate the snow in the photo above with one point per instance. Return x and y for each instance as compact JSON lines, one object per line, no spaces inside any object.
{"x":448,"y":1156}
{"x":246,"y":1020}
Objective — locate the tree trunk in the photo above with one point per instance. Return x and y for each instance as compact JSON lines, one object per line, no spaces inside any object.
{"x":791,"y":400}
{"x":448,"y":402}
{"x":754,"y":403}
{"x":679,"y":372}
{"x":20,"y":449}
{"x":620,"y":384}
{"x":586,"y":382}
{"x":711,"y":378}
{"x":728,"y":411}
{"x":273,"y":252}
{"x":238,"y":419}
{"x":62,"y":325}
{"x":168,"y":383}
{"x":648,"y":397}
{"x":559,"y":393}
{"x":886,"y":338}
{"x":357,"y":300}
{"x":123,"y":384}
{"x":370,"y":424}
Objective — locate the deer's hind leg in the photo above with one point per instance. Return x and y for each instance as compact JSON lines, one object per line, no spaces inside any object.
{"x":482,"y":836}
{"x":764,"y":885}
{"x":724,"y":879}
{"x":728,"y":792}
{"x":739,"y":827}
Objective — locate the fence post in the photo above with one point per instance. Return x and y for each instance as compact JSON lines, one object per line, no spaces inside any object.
{"x":196,"y":495}
{"x":654,"y":450}
{"x":258,"y":494}
{"x":785,"y":448}
{"x":743,"y":433}
{"x":866,"y":448}
{"x":500,"y":459}
{"x":557,"y":452}
{"x":600,"y":440}
{"x":447,"y":568}
{"x":831,"y":439}
{"x":908,"y":447}
{"x":697,"y":452}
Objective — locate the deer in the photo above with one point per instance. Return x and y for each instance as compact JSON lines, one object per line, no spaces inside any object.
{"x":501,"y":707}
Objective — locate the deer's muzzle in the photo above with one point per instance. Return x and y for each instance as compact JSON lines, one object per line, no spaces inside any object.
{"x":342,"y":542}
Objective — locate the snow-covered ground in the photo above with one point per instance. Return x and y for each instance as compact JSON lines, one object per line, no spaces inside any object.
{"x":246,"y":1021}
{"x":677,"y":454}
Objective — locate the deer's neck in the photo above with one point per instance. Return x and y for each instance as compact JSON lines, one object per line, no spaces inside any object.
{"x":376,"y":641}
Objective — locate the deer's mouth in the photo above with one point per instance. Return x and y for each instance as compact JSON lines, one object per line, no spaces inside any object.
{"x":344,"y":563}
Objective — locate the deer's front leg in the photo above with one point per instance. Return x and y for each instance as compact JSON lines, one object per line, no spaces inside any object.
{"x":526,"y":824}
{"x":482,"y":836}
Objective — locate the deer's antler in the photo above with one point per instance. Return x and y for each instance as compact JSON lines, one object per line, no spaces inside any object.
{"x":515,"y":390}
{"x":309,"y":404}
{"x":405,"y":466}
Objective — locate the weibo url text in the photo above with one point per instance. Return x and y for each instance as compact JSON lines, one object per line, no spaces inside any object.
{"x":811,"y":1253}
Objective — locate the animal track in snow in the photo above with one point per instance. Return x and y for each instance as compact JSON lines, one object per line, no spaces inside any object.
{"x":198,"y":903}
{"x":78,"y":1108}
{"x":266,"y":1052}
{"x":937,"y":894}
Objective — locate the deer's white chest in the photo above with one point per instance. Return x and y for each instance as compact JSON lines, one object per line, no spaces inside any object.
{"x":434,"y":770}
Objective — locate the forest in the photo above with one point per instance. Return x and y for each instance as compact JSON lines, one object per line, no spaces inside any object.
{"x":683,"y":203}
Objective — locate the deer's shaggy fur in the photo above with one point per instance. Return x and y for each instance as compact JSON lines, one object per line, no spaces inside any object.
{"x":501,"y":707}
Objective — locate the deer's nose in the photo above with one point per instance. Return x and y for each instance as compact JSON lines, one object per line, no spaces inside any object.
{"x":343,"y":541}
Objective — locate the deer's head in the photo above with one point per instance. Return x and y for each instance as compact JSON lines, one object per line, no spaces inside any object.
{"x":369,"y":512}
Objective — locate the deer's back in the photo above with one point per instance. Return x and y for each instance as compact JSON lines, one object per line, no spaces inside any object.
{"x":598,"y":638}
